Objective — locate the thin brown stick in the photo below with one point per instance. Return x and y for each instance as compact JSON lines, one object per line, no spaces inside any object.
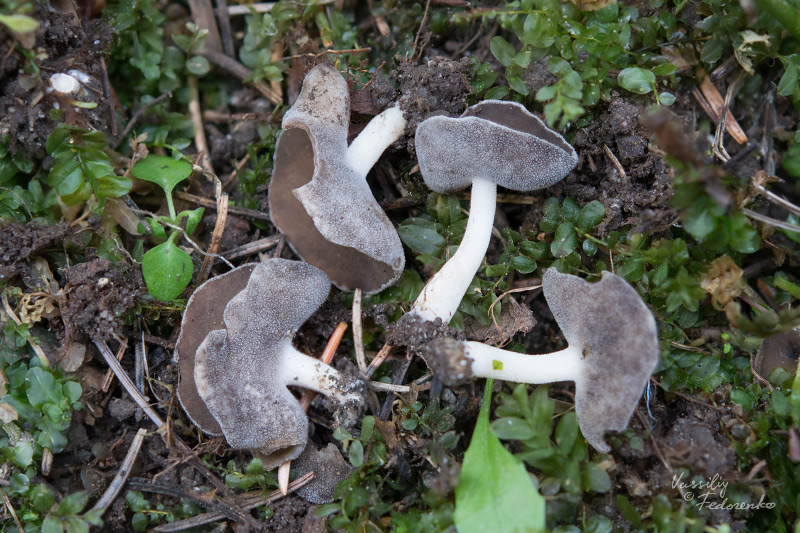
{"x":250,"y":248}
{"x":419,"y":31}
{"x":772,"y":221}
{"x":380,"y":357}
{"x":138,"y":114}
{"x":126,"y":382}
{"x":216,"y":236}
{"x":124,"y":471}
{"x":622,"y":174}
{"x":358,"y":332}
{"x":333,"y":52}
{"x":11,"y":510}
{"x":225,"y":27}
{"x":247,"y":502}
{"x":241,"y":72}
{"x":211,"y":204}
{"x":779,"y":200}
{"x":199,"y":128}
{"x":109,"y":379}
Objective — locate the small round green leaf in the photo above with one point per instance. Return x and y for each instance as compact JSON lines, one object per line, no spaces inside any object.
{"x":198,"y":65}
{"x":167,"y":270}
{"x":503,"y":50}
{"x":162,"y":170}
{"x":637,"y":80}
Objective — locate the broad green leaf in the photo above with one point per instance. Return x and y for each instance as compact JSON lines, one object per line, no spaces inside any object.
{"x":637,"y":80}
{"x":167,"y":270}
{"x":162,"y":170}
{"x":564,"y":241}
{"x":495,"y":492}
{"x":42,"y":387}
{"x":512,"y":428}
{"x":590,"y":215}
{"x":73,"y":504}
{"x":420,"y":235}
{"x":502,"y":50}
{"x":19,"y":23}
{"x":52,"y":524}
{"x":198,"y":65}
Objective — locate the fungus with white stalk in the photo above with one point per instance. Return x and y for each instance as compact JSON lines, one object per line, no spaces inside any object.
{"x":492,"y":143}
{"x":613,"y":350}
{"x":318,"y":193}
{"x":234,"y":381}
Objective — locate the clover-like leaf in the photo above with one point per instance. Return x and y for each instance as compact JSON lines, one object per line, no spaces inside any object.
{"x":162,"y":170}
{"x":636,"y":80}
{"x":167,"y":270}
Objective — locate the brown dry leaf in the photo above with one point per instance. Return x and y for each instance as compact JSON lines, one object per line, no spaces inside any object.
{"x":723,"y":282}
{"x":514,"y":318}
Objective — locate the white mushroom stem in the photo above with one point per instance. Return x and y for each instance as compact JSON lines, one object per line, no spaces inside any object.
{"x":380,"y":132}
{"x":490,"y":362}
{"x":300,"y":370}
{"x":443,"y":293}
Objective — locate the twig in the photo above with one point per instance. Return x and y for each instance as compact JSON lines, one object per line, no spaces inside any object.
{"x":391,"y":387}
{"x":769,"y":220}
{"x":380,"y":357}
{"x":126,"y":382}
{"x":262,"y":7}
{"x":233,"y":513}
{"x":616,"y":163}
{"x":246,"y":501}
{"x":139,"y":363}
{"x":329,"y":51}
{"x":252,"y":247}
{"x":225,"y":28}
{"x":358,"y":332}
{"x":419,"y":31}
{"x":383,"y":63}
{"x":712,"y":103}
{"x":779,"y":200}
{"x":199,"y":128}
{"x":138,"y":114}
{"x":211,"y":204}
{"x":305,"y":400}
{"x":124,"y":471}
{"x":123,"y":345}
{"x":216,"y":236}
{"x":241,"y":72}
{"x":10,"y":507}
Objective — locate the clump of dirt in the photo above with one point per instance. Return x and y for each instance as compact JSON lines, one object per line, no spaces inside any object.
{"x":374,"y":98}
{"x":437,"y":85}
{"x":62,"y":46}
{"x":513,"y":318}
{"x":18,"y":242}
{"x":412,"y":330}
{"x":97,"y":295}
{"x":294,"y":515}
{"x":635,"y":188}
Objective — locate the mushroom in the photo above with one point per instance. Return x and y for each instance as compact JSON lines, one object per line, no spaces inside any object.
{"x":318,"y":194}
{"x":613,"y":350}
{"x":492,"y":143}
{"x":779,"y":350}
{"x":243,"y":365}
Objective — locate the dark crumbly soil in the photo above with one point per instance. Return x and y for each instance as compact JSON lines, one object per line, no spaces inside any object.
{"x":412,"y":330}
{"x":62,"y":44}
{"x":97,"y":293}
{"x":294,"y":515}
{"x":640,"y":197}
{"x":437,"y":85}
{"x":18,"y":242}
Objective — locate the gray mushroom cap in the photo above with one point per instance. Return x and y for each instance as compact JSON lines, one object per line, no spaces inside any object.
{"x":617,"y":334}
{"x":325,"y":209}
{"x":237,"y":368}
{"x":203,"y":314}
{"x":496,"y":140}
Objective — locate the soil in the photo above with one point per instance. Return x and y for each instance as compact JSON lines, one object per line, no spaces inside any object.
{"x":19,"y":242}
{"x":62,"y":45}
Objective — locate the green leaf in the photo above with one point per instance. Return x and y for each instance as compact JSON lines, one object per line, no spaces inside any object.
{"x":564,"y":241}
{"x":637,"y":80}
{"x":788,"y":82}
{"x":595,"y":478}
{"x":495,"y":492}
{"x":167,"y":270}
{"x":420,"y":235}
{"x":356,"y":452}
{"x":162,"y":170}
{"x":590,"y":215}
{"x":198,"y":65}
{"x":518,"y":84}
{"x":23,"y":454}
{"x":523,"y":264}
{"x":73,"y":504}
{"x":52,"y":524}
{"x":502,"y":50}
{"x":512,"y":428}
{"x":41,"y":498}
{"x":42,"y":387}
{"x":19,"y":23}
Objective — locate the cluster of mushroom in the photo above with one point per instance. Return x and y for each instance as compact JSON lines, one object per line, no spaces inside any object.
{"x":235,"y":349}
